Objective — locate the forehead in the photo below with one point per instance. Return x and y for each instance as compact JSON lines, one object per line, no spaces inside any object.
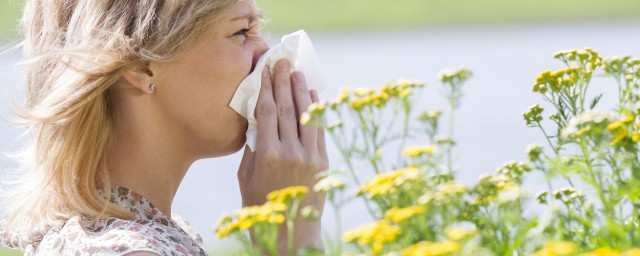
{"x":242,"y":10}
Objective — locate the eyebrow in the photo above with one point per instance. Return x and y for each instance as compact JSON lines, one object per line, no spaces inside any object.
{"x":249,"y":16}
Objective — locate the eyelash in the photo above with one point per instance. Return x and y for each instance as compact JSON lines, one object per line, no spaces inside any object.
{"x":242,"y":32}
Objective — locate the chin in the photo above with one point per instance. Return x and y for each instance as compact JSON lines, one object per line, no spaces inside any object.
{"x":239,"y":145}
{"x":232,"y":143}
{"x":227,"y":147}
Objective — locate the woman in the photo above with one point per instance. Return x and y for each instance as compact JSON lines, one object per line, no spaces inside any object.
{"x":122,"y":97}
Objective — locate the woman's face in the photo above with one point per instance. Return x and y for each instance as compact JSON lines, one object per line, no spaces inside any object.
{"x":196,"y":89}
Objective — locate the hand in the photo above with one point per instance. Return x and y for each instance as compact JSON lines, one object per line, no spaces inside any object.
{"x":287,"y":153}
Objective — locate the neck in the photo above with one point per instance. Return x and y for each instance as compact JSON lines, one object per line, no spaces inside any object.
{"x":146,"y":159}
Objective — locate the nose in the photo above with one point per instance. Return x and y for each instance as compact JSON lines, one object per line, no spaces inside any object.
{"x":261,"y":48}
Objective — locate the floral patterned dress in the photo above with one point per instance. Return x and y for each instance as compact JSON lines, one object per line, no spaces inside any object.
{"x":149,"y":231}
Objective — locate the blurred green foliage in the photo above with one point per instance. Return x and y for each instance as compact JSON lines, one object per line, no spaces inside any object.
{"x":7,"y":252}
{"x":10,"y":11}
{"x":374,"y":14}
{"x":341,"y":15}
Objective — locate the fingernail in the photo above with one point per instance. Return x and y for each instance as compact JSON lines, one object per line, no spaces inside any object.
{"x":298,"y":76}
{"x":283,"y":64}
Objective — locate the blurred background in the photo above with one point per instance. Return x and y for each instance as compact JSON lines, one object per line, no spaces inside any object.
{"x":364,"y":43}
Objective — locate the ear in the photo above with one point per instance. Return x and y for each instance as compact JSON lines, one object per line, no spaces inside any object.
{"x":140,"y":78}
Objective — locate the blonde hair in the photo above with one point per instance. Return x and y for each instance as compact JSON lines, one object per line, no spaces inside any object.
{"x":74,"y":51}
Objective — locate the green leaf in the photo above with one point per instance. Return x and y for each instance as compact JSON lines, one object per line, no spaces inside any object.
{"x":595,"y":101}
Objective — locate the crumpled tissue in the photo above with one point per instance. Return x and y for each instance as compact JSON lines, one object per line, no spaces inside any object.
{"x":295,"y":47}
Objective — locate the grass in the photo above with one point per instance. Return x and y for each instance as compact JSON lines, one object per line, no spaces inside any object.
{"x":10,"y":11}
{"x":342,"y":15}
{"x":8,"y":252}
{"x":356,"y":14}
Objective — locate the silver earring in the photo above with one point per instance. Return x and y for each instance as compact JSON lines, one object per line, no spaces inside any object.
{"x":152,"y":87}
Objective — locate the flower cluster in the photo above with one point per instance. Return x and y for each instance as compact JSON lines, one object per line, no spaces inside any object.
{"x":418,"y":151}
{"x":557,"y":248}
{"x":514,"y":170}
{"x":533,"y":152}
{"x":591,"y":123}
{"x":533,"y":115}
{"x":388,"y":183}
{"x":443,"y":194}
{"x":264,"y":220}
{"x":329,"y":183}
{"x":421,"y":208}
{"x":454,"y":75}
{"x":248,"y":217}
{"x":558,"y":80}
{"x":400,"y":214}
{"x":288,"y":195}
{"x":374,"y":235}
{"x":360,"y":98}
{"x":432,"y":249}
{"x":587,"y":58}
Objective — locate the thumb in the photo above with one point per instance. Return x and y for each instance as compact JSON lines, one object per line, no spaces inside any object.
{"x":246,"y":166}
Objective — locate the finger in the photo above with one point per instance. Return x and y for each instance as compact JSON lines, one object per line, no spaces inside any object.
{"x":302,"y":98}
{"x":321,"y":142}
{"x":245,"y":171}
{"x":266,"y":112}
{"x":287,"y":124}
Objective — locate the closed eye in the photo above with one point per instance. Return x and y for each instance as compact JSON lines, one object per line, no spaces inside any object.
{"x":242,"y":32}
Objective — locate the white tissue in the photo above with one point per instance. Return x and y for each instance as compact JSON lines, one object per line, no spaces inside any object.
{"x":296,"y":48}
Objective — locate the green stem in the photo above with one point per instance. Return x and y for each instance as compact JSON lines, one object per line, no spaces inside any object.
{"x":405,"y":133}
{"x":592,"y":174}
{"x":555,"y":150}
{"x":336,"y":208}
{"x":290,"y":225}
{"x":450,"y":146}
{"x":347,"y":158}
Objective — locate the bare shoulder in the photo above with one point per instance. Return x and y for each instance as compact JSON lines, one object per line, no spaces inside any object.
{"x":142,"y":253}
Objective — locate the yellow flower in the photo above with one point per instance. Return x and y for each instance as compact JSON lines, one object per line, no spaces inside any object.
{"x":507,"y":185}
{"x":374,"y":235}
{"x":357,"y":104}
{"x":400,"y":214}
{"x":483,"y":200}
{"x":226,"y":230}
{"x":362,"y":92}
{"x":343,"y":96}
{"x":404,"y":93}
{"x":305,"y":118}
{"x":459,"y":233}
{"x":225,"y":226}
{"x":618,"y":124}
{"x":328,"y":183}
{"x":248,"y":217}
{"x":317,"y":107}
{"x":602,"y":252}
{"x":632,"y":252}
{"x":619,"y":138}
{"x":418,"y":150}
{"x":380,"y":99}
{"x":451,"y":188}
{"x":425,"y":248}
{"x":635,"y":136}
{"x":582,"y":131}
{"x":286,"y":194}
{"x":268,"y":212}
{"x":385,"y":183}
{"x":558,"y":248}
